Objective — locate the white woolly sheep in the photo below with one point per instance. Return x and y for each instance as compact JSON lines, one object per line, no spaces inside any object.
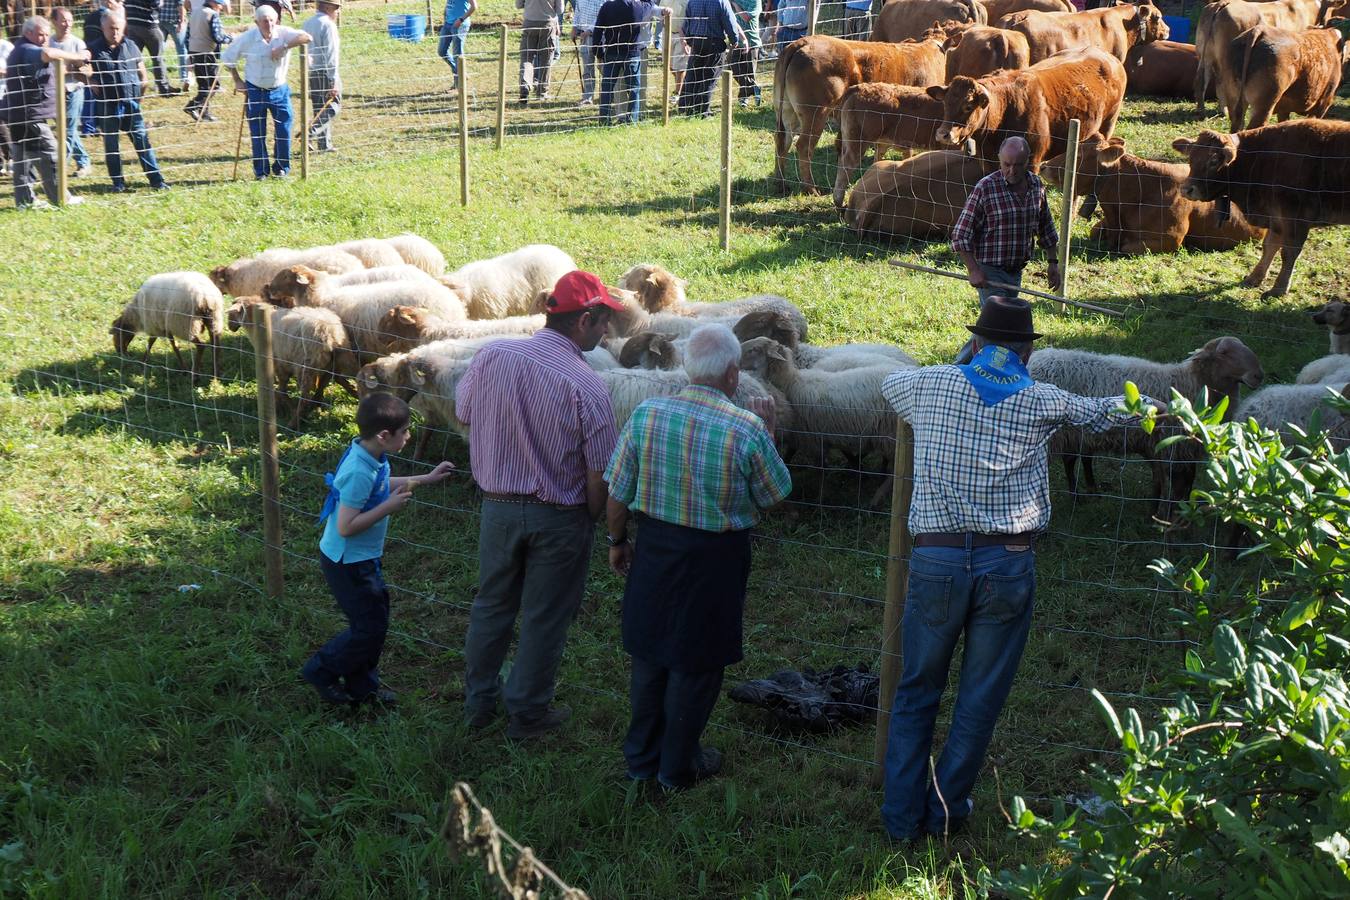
{"x":659,"y":291}
{"x":372,"y":252}
{"x":629,"y":387}
{"x":309,"y":344}
{"x":276,"y":293}
{"x":247,"y":277}
{"x":772,"y":324}
{"x":361,"y":306}
{"x":507,"y":285}
{"x":405,"y":327}
{"x":418,"y":251}
{"x":1333,"y":369}
{"x":1280,"y":406}
{"x":600,"y":359}
{"x":1335,"y":315}
{"x":435,"y":377}
{"x":174,"y":305}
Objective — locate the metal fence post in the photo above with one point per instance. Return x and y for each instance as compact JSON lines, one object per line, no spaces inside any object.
{"x":501,"y":88}
{"x":267,"y":449}
{"x":1066,"y":213}
{"x":897,"y":584}
{"x":724,"y":192}
{"x":463,"y":78}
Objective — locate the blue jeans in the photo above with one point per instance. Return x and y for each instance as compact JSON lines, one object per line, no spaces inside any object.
{"x":670,"y":711}
{"x":994,"y":274}
{"x":179,"y":39}
{"x":115,"y":117}
{"x":985,"y":593}
{"x":787,"y":34}
{"x":74,"y":113}
{"x":258,"y":103}
{"x":452,"y":44}
{"x":629,"y":105}
{"x":352,"y":657}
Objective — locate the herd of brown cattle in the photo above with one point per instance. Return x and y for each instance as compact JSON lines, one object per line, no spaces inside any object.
{"x":956,"y":77}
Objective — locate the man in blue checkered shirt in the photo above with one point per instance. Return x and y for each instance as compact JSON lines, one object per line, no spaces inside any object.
{"x":981,"y":495}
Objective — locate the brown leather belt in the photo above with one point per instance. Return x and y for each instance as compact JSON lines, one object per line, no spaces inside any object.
{"x":529,"y":498}
{"x":959,"y":539}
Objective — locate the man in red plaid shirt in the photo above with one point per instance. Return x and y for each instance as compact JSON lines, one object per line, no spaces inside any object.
{"x":1002,"y":215}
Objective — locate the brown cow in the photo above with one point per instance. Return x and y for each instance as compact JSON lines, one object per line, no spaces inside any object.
{"x":1288,"y":178}
{"x":980,"y":49}
{"x":1223,"y":21}
{"x":1280,"y":71}
{"x":917,"y":197}
{"x":997,"y":9}
{"x":1161,"y":69}
{"x":882,"y":116}
{"x":812,"y":74}
{"x":1142,"y":207}
{"x":1114,"y":29}
{"x":907,"y":20}
{"x":1036,"y":103}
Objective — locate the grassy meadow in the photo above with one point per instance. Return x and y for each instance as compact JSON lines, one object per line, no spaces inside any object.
{"x":157,"y":740}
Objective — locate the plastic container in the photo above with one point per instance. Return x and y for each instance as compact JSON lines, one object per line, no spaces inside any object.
{"x":1179,"y":28}
{"x":412,"y":28}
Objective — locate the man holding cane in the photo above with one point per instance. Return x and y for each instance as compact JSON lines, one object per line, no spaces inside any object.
{"x":266,"y":51}
{"x":325,"y":84}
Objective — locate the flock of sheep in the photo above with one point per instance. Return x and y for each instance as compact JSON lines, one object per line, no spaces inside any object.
{"x":384,"y":315}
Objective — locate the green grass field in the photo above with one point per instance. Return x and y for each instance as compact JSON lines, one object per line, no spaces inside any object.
{"x":157,"y":741}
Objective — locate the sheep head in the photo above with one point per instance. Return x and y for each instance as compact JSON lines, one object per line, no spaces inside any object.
{"x":122,"y":331}
{"x":656,"y":288}
{"x":220,"y":277}
{"x":766,"y":323}
{"x":766,"y":358}
{"x":295,"y":283}
{"x":540,"y":303}
{"x":1226,"y":362}
{"x":279,"y":291}
{"x":402,"y":328}
{"x":649,"y":350}
{"x":384,"y":374}
{"x":240,"y":312}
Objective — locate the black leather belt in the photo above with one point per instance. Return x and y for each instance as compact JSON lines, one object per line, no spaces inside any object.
{"x":960,"y":539}
{"x":529,"y":498}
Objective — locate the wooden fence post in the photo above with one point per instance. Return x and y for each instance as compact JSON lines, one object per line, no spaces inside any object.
{"x":267,"y":447}
{"x":724,"y":192}
{"x":62,"y":175}
{"x":501,"y":88}
{"x":463,"y":78}
{"x":666,"y":37}
{"x":897,"y":584}
{"x":1066,"y":214}
{"x":304,"y":112}
{"x":812,"y":10}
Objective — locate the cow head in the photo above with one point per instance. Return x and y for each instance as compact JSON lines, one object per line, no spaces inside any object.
{"x":1210,"y":155}
{"x":1148,"y":22}
{"x":965,"y":103}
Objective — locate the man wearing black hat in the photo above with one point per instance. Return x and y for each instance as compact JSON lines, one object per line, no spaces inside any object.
{"x":981,"y":496}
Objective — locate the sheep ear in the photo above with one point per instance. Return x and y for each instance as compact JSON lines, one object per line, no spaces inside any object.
{"x":779,"y":352}
{"x":406,"y":315}
{"x":1182,"y":145}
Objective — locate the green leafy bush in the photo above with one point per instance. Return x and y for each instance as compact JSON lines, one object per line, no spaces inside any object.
{"x":1241,"y":787}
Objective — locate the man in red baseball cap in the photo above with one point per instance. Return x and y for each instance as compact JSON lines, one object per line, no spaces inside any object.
{"x":542,"y":432}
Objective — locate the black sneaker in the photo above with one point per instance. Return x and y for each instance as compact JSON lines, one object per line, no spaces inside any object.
{"x":551,"y":719}
{"x":207,"y":117}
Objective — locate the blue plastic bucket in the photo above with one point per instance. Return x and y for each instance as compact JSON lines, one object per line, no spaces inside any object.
{"x":407,"y":27}
{"x":1179,"y":28}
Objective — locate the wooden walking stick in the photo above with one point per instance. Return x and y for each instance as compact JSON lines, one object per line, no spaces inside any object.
{"x":327,"y":103}
{"x":901,"y":264}
{"x":206,"y":104}
{"x":239,"y":142}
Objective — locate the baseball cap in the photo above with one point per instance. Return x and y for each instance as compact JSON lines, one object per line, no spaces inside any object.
{"x":578,"y":290}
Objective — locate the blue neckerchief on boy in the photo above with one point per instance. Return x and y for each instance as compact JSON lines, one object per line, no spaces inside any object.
{"x":996,"y":373}
{"x":379,"y":492}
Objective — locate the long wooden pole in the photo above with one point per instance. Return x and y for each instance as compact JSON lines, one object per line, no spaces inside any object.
{"x":901,"y":264}
{"x":463,"y":78}
{"x":239,"y":141}
{"x":1066,"y":213}
{"x":666,"y":37}
{"x":62,"y":173}
{"x":267,"y":446}
{"x":897,"y":585}
{"x":501,"y":88}
{"x":304,"y":112}
{"x":724,"y":192}
{"x":811,"y":13}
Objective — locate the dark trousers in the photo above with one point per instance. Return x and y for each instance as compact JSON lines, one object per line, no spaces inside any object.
{"x":696,"y":95}
{"x":353,"y":656}
{"x":149,"y":37}
{"x":743,"y":68}
{"x":205,"y":71}
{"x":115,"y":117}
{"x":4,"y":142}
{"x":627,"y":105}
{"x":670,"y":711}
{"x":34,"y":144}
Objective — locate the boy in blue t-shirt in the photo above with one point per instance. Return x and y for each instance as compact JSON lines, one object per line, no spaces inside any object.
{"x":355,"y":516}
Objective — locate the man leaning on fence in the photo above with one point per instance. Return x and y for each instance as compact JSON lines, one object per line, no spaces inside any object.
{"x":538,"y":43}
{"x":119,"y":82}
{"x":29,"y":107}
{"x":325,"y":82}
{"x":619,"y":28}
{"x":981,"y":498}
{"x":993,"y":234}
{"x":266,"y":51}
{"x":695,"y":471}
{"x":541,"y":432}
{"x":709,"y":27}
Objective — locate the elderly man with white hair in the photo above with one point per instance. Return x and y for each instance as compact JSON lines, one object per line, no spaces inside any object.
{"x":266,"y":51}
{"x":1004,"y":213}
{"x":696,"y":471}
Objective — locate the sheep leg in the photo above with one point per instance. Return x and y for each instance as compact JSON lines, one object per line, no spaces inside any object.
{"x":346,"y":384}
{"x":178,"y":356}
{"x":199,"y":348}
{"x":421,"y":443}
{"x":149,"y":345}
{"x":320,"y":385}
{"x":1088,"y":475}
{"x":215,"y":356}
{"x":299,"y":402}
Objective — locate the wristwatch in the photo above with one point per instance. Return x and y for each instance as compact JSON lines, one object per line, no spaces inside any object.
{"x":615,"y":541}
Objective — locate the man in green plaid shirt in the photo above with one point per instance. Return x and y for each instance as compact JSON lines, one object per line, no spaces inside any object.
{"x":696,"y":471}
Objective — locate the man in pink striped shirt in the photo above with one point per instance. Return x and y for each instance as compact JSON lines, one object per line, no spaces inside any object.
{"x":542,"y":432}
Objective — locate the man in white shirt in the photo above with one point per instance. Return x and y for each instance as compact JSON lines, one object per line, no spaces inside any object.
{"x":325,"y":84}
{"x":266,"y":51}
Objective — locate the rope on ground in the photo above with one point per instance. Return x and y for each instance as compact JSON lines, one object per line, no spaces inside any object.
{"x":526,"y":878}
